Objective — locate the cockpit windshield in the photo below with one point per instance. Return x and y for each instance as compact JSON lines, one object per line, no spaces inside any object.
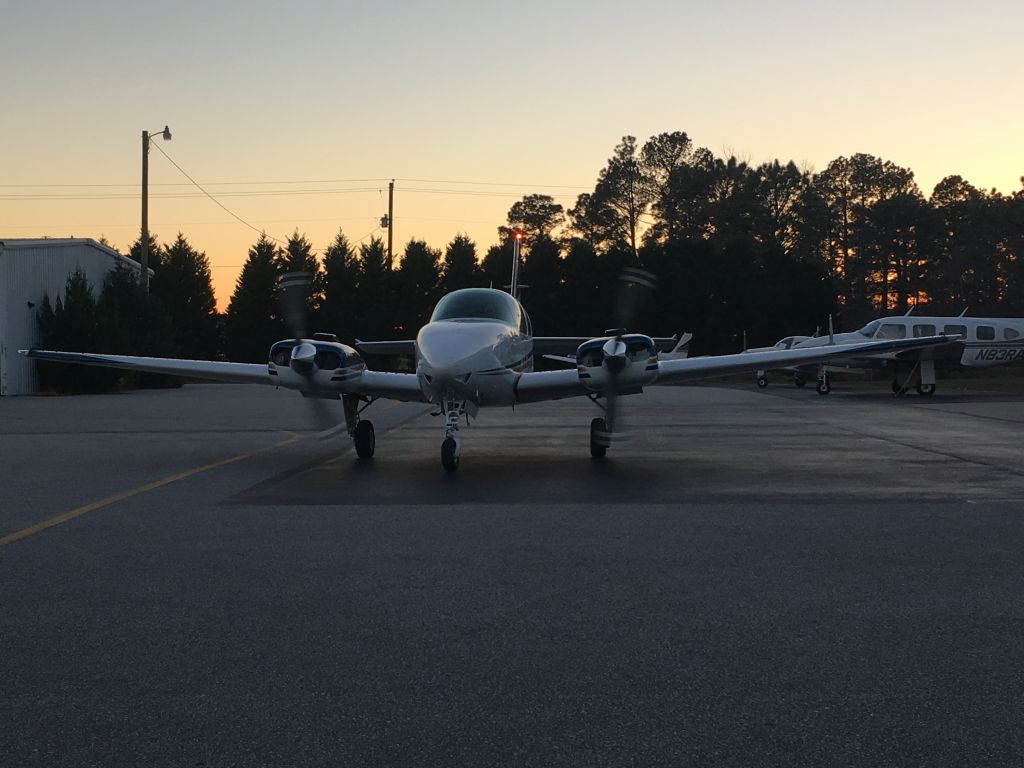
{"x":870,"y":329}
{"x":478,"y":304}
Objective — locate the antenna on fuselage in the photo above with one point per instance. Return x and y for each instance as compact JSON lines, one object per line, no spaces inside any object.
{"x":964,"y":312}
{"x":517,"y":238}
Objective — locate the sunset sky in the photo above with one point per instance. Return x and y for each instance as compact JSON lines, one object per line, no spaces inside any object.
{"x":295,"y":114}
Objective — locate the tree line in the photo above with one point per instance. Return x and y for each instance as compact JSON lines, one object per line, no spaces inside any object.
{"x":761,"y":251}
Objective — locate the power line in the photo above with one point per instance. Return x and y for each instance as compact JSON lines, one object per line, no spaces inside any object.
{"x":305,"y":181}
{"x":215,"y":200}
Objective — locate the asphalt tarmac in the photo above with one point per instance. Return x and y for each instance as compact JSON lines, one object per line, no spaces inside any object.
{"x":196,"y":578}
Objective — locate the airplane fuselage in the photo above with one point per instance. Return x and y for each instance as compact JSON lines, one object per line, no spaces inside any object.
{"x":986,"y":341}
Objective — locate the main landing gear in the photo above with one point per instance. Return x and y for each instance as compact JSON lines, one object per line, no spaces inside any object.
{"x":360,"y":430}
{"x":925,"y":385}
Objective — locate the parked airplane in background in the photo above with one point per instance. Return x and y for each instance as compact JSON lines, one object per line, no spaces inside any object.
{"x":985,"y":342}
{"x":477,"y":351}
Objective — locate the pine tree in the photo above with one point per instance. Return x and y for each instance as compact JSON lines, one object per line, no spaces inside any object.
{"x":460,"y":268}
{"x":341,"y":301}
{"x":183,"y":286}
{"x":253,"y":320}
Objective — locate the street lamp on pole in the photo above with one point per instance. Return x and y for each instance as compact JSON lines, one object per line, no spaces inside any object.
{"x":144,"y":242}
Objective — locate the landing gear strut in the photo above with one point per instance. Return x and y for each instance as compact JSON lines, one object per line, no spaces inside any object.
{"x":360,"y":430}
{"x":451,"y":448}
{"x":824,"y":385}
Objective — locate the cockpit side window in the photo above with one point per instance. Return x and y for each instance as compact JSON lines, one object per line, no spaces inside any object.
{"x":870,"y":329}
{"x":892,"y":331}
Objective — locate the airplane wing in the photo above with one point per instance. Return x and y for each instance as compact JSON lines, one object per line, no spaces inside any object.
{"x":674,"y":371}
{"x":555,"y":385}
{"x":394,"y":386}
{"x":239,"y":373}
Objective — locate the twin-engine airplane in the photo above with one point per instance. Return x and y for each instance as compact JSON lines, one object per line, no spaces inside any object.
{"x":984,"y":342}
{"x":477,"y":351}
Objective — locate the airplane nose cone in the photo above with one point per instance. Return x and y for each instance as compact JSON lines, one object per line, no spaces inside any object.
{"x":303,"y":358}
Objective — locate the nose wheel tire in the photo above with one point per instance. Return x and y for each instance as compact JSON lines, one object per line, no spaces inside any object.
{"x":449,"y":455}
{"x":598,"y":438}
{"x":824,"y":387}
{"x":364,"y":439}
{"x":927,"y":390}
{"x":762,"y":382}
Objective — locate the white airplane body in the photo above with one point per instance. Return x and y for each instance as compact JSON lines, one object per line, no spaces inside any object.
{"x":475,"y":352}
{"x":984,"y":343}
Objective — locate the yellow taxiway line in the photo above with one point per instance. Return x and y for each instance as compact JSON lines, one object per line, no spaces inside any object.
{"x":79,"y":511}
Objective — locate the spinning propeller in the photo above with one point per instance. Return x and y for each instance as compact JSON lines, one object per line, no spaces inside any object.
{"x":635,"y":286}
{"x":295,"y":288}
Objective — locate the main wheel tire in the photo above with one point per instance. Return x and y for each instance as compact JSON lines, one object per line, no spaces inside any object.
{"x":824,"y":387}
{"x":598,"y":438}
{"x":762,"y":382}
{"x":896,"y":388}
{"x":364,"y":439}
{"x":926,"y":390}
{"x":800,"y":381}
{"x":449,"y":458}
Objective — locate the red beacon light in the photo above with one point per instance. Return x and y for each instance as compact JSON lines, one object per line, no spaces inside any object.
{"x":519,"y":235}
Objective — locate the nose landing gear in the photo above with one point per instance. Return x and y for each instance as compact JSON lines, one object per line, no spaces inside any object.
{"x":451,"y":448}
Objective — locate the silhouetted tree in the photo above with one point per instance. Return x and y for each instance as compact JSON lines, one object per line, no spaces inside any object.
{"x":460,"y":269}
{"x":253,"y":320}
{"x":377,"y":302}
{"x":536,"y":216}
{"x":72,"y":324}
{"x":183,"y":287}
{"x":298,"y":256}
{"x":415,"y":287}
{"x":341,"y":302}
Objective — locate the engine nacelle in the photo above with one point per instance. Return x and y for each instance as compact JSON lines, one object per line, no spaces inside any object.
{"x":628,"y":362}
{"x":318,"y":364}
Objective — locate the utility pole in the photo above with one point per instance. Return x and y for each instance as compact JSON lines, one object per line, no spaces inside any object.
{"x":391,"y":219}
{"x":144,"y":242}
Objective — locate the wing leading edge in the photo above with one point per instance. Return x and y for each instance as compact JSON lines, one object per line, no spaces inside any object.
{"x":239,"y":373}
{"x":394,"y":386}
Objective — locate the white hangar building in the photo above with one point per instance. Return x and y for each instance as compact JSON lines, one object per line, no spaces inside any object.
{"x":28,"y":270}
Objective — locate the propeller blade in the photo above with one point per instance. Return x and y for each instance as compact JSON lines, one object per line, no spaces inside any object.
{"x":635,"y":286}
{"x":295,"y":290}
{"x":323,"y":416}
